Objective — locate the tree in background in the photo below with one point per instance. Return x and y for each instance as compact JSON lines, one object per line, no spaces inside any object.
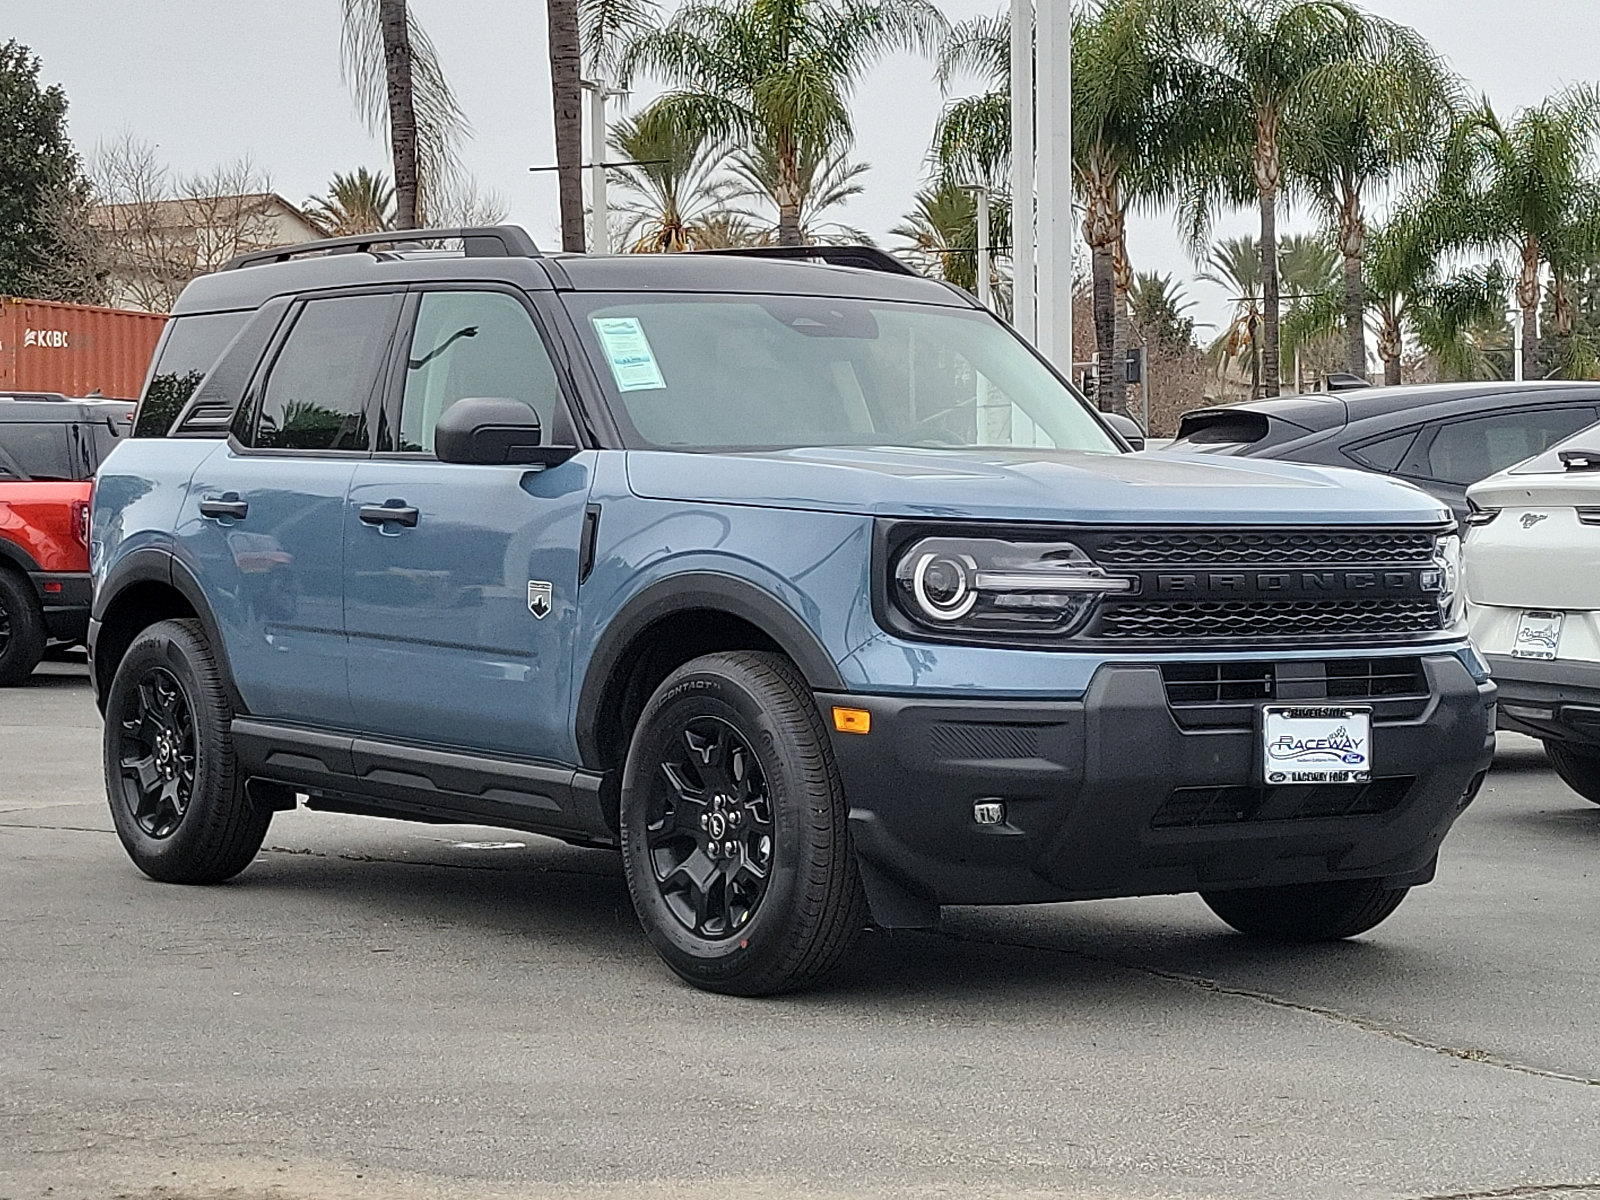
{"x":1527,"y":187}
{"x":941,"y":239}
{"x":400,"y":90}
{"x":672,"y":192}
{"x":41,"y":185}
{"x":1235,"y":264}
{"x":972,"y":141}
{"x":774,"y":74}
{"x":1159,"y":309}
{"x":826,"y":178}
{"x":360,"y":202}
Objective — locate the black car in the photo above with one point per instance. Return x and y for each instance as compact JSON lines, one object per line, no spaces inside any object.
{"x":1441,"y":437}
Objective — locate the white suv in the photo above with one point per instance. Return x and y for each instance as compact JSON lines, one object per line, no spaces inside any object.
{"x":1532,"y":573}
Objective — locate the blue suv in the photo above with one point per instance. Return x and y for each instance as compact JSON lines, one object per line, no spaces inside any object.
{"x":795,"y":577}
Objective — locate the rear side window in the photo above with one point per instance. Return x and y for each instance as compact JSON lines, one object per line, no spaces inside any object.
{"x":187,"y":351}
{"x":1464,"y":452}
{"x":36,"y":450}
{"x":320,"y":388}
{"x":1385,"y":454}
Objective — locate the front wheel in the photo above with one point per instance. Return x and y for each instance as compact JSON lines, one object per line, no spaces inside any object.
{"x":1307,"y":912}
{"x":735,"y":838}
{"x":1579,"y":768}
{"x":176,"y":797}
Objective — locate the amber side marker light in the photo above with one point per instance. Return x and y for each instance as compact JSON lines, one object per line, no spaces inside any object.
{"x":852,"y":720}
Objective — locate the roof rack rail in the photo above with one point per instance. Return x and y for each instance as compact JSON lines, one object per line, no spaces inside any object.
{"x":481,"y":241}
{"x":51,"y":397}
{"x":868,"y":258}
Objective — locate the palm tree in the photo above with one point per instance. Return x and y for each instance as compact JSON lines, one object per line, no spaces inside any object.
{"x":1277,"y":60}
{"x":566,"y":102}
{"x":778,"y":74}
{"x":1235,"y":264}
{"x":399,"y":88}
{"x":941,"y":237}
{"x":1527,"y":187}
{"x":360,"y":202}
{"x":972,"y":141}
{"x":1378,"y":118}
{"x":826,"y":179}
{"x":672,"y":189}
{"x":1159,"y":307}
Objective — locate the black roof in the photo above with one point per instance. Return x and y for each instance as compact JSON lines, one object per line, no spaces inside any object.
{"x":505,"y":254}
{"x":1323,"y":410}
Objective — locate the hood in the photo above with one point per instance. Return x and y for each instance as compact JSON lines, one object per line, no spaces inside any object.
{"x":1033,"y":485}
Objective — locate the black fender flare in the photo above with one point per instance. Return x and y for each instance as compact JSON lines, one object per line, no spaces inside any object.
{"x":704,"y":591}
{"x":153,"y":564}
{"x":14,"y":555}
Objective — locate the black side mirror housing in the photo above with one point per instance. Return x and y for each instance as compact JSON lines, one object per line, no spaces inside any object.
{"x":1126,"y":428}
{"x":494,"y":431}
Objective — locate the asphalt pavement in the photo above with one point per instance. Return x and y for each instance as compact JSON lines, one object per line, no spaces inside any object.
{"x":377,"y":1009}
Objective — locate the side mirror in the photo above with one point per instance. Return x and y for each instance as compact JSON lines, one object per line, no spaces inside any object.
{"x":494,"y":430}
{"x":1126,"y":428}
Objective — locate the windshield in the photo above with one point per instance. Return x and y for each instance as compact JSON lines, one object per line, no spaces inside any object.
{"x":759,"y":372}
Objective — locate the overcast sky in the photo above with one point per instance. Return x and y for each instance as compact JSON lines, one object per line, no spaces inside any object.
{"x":208,"y":80}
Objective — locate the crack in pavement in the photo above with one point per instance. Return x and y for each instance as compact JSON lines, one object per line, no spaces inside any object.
{"x":1515,"y":1193}
{"x":1366,"y":1024}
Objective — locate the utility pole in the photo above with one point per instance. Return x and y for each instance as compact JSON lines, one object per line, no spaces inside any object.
{"x":980,"y":193}
{"x":599,"y":209}
{"x":1056,"y":220}
{"x":1516,"y":345}
{"x":1022,"y":197}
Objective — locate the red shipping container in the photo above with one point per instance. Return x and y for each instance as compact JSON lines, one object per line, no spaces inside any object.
{"x":75,"y":348}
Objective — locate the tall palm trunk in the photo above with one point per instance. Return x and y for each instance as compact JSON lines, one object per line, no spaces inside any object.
{"x":392,"y":17}
{"x":1389,"y":345}
{"x":1268,"y":182}
{"x":1122,"y":281}
{"x":1352,"y":243}
{"x":1528,"y":300}
{"x":1101,"y":230}
{"x":787,"y":194}
{"x":566,"y":94}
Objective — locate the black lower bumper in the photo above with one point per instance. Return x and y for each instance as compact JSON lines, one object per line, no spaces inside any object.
{"x":1552,"y":700}
{"x":65,"y":599}
{"x":1112,"y":795}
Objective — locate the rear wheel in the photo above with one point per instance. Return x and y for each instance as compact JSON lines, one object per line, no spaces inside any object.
{"x":734,"y":832}
{"x":1307,"y":912}
{"x":22,"y":633}
{"x":1579,"y":768}
{"x":176,"y":797}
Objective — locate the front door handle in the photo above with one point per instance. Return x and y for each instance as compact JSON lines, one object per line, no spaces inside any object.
{"x":228,"y":507}
{"x":394,"y":511}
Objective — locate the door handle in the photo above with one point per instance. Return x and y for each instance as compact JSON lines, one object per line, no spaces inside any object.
{"x":225,"y":508}
{"x":394,"y":511}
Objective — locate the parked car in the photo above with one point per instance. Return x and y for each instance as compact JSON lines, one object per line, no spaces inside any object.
{"x":49,"y":449}
{"x":1441,"y":437}
{"x":806,"y":584}
{"x":1532,"y":571}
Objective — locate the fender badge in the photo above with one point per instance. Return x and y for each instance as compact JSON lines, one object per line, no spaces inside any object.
{"x":539,"y":598}
{"x":1529,"y":520}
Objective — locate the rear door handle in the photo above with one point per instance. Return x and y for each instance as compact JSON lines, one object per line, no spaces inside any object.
{"x":396,"y":512}
{"x":225,"y":508}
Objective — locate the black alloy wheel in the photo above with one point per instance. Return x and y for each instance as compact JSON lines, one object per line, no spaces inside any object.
{"x":22,"y":630}
{"x":709,"y":829}
{"x":157,"y":753}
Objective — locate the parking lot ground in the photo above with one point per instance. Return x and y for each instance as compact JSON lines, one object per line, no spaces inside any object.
{"x":385,"y":1010}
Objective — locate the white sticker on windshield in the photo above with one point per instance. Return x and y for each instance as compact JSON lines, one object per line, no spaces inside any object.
{"x":633,"y":363}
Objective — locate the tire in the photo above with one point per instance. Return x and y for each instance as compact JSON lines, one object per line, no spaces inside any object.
{"x":732,"y":744}
{"x":1307,"y":912}
{"x":176,"y":797}
{"x":22,"y":634}
{"x":1579,"y":768}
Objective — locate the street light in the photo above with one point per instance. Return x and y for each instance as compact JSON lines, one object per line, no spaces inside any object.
{"x":599,"y":210}
{"x":980,"y":193}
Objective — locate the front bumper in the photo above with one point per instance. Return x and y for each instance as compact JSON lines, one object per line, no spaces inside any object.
{"x":1554,"y":700}
{"x":1118,"y":794}
{"x":65,"y":598}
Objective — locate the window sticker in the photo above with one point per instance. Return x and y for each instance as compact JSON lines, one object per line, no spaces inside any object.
{"x":633,"y":363}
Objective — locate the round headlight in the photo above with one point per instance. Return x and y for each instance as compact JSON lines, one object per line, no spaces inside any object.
{"x":943,"y":585}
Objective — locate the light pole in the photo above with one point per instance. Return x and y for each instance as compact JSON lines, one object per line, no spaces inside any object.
{"x":1056,"y":233}
{"x":1022,"y":198}
{"x":599,"y":210}
{"x":980,"y":193}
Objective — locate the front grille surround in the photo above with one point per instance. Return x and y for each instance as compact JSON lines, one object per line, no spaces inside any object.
{"x":1263,"y":547}
{"x":1203,"y":807}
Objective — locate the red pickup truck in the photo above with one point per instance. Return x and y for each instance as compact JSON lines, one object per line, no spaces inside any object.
{"x":50,"y":448}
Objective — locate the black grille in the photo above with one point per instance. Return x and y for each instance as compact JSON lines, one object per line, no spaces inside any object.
{"x":1198,"y":620}
{"x":1375,"y":678}
{"x":1219,"y":683}
{"x":1193,"y":808}
{"x":1262,"y":548}
{"x":1226,"y":695}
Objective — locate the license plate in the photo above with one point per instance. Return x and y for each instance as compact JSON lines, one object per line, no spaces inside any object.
{"x":1317,"y":745}
{"x":1538,"y":634}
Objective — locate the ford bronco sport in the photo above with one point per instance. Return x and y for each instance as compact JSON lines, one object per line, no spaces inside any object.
{"x":49,"y":448}
{"x":807,"y":585}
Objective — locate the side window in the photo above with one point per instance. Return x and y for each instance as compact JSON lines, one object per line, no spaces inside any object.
{"x":472,"y":344}
{"x":1466,"y":451}
{"x":188,"y":349}
{"x":37,"y":450}
{"x":321,"y":385}
{"x":1385,"y":454}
